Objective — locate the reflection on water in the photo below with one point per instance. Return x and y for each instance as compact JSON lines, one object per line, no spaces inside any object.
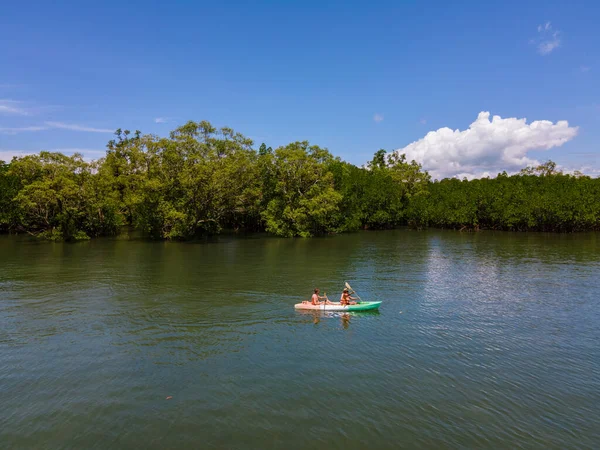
{"x":316,"y":316}
{"x":483,"y":340}
{"x":345,"y":320}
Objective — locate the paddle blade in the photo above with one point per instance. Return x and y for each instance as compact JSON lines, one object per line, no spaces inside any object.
{"x":352,"y":290}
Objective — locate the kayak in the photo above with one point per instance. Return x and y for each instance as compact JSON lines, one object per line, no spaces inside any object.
{"x":362,"y":306}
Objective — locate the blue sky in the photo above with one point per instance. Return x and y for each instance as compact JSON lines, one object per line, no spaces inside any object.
{"x":350,"y":76}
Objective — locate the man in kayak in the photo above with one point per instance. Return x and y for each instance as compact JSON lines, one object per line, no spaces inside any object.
{"x":346,"y":299}
{"x":316,"y":297}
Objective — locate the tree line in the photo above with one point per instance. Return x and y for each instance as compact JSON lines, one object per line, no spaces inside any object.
{"x":201,"y":180}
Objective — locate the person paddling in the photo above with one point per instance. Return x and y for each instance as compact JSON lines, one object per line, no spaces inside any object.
{"x":316,"y":297}
{"x":346,"y":299}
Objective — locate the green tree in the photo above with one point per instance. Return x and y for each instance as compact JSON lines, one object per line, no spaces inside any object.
{"x":201,"y":180}
{"x":198,"y":181}
{"x":304,"y":200}
{"x":10,"y":184}
{"x":59,"y":198}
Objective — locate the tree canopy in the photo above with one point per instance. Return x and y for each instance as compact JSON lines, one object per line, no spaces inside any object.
{"x":201,"y":180}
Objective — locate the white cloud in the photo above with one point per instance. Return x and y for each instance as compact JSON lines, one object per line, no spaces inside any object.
{"x":15,"y":130}
{"x":12,"y":107}
{"x":24,"y":108}
{"x":547,"y":47}
{"x":75,"y":127}
{"x":7,"y":155}
{"x":548,"y":39}
{"x":486,"y":146}
{"x":593,"y":172}
{"x":88,"y":154}
{"x":423,"y":121}
{"x":378,"y":118}
{"x":161,"y":120}
{"x":54,"y":125}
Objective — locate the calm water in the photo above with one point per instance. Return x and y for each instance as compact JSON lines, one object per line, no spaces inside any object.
{"x":483,"y":341}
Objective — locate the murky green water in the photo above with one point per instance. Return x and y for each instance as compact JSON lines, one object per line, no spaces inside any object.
{"x":483,"y":341}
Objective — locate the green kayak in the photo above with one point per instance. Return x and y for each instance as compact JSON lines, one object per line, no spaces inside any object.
{"x":362,"y":306}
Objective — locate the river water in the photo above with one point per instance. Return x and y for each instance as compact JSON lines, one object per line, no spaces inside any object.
{"x":483,"y":340}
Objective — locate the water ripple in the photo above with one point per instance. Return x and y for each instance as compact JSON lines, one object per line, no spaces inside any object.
{"x":483,"y":341}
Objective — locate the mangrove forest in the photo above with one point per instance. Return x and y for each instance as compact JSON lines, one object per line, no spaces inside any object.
{"x":201,"y":180}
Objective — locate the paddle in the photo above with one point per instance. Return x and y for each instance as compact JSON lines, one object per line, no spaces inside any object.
{"x":353,"y":292}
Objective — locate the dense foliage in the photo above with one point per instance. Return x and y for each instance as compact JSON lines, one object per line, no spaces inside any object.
{"x":201,"y":180}
{"x":538,"y":199}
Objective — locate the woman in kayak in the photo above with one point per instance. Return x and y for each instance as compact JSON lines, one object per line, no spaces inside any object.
{"x":316,"y":297}
{"x":346,"y":299}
